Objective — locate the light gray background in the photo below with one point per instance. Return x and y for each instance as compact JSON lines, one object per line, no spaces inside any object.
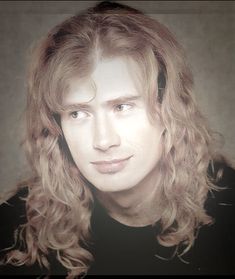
{"x":206,"y":29}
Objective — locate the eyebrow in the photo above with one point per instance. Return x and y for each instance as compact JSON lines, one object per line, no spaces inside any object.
{"x":77,"y":106}
{"x":123,"y":99}
{"x":86,"y":105}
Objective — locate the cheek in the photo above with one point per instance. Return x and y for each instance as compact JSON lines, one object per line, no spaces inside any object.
{"x":149,"y":147}
{"x":141,"y":134}
{"x":77,"y":141}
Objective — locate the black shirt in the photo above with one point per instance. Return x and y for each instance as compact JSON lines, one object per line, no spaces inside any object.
{"x":119,"y":249}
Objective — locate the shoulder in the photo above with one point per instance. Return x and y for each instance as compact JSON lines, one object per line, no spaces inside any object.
{"x":14,"y":206}
{"x":223,"y":198}
{"x":228,"y":174}
{"x":214,"y":247}
{"x":13,"y":214}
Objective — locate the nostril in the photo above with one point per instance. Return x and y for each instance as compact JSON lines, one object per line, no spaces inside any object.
{"x":105,"y":144}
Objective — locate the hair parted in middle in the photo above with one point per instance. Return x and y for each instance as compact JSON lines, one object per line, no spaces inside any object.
{"x":59,"y":203}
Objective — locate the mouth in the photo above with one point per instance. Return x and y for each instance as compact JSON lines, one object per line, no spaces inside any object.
{"x":111,"y":166}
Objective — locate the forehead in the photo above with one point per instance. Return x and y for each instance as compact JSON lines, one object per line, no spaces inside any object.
{"x":111,"y":78}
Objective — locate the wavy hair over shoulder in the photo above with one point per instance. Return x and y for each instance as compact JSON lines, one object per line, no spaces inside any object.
{"x":59,"y":202}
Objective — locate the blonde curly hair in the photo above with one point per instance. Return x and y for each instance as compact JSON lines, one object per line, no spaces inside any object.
{"x":59,"y":202}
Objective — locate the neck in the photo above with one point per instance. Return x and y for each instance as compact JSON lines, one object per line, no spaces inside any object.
{"x":138,"y":206}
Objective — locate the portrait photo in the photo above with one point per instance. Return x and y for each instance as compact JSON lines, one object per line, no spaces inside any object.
{"x":118,"y":139}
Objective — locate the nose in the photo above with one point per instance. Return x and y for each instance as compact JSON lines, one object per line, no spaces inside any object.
{"x":105,"y":134}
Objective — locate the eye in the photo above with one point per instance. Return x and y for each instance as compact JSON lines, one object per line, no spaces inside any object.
{"x":123,"y":107}
{"x":79,"y":114}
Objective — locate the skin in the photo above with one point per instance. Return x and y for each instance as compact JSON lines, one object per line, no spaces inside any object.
{"x":112,"y":141}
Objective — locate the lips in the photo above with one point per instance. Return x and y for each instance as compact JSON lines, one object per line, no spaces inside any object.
{"x":112,"y":166}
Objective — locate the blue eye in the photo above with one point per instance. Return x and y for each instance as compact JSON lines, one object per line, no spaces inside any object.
{"x":123,"y":107}
{"x":79,"y":114}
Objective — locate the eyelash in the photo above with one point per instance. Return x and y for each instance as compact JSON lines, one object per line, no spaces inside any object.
{"x":119,"y":105}
{"x":72,"y":114}
{"x":116,"y":108}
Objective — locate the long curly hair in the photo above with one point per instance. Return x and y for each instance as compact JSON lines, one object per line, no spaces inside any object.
{"x":59,"y":202}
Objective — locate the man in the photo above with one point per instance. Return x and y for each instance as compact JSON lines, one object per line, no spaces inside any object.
{"x":124,"y":174}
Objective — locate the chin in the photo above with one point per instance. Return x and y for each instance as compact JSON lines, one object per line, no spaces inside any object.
{"x":114,"y":188}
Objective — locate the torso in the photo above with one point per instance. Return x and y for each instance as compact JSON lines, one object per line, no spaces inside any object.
{"x":121,"y":249}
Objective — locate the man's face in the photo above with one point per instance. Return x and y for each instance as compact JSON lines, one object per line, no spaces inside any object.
{"x":106,"y":126}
